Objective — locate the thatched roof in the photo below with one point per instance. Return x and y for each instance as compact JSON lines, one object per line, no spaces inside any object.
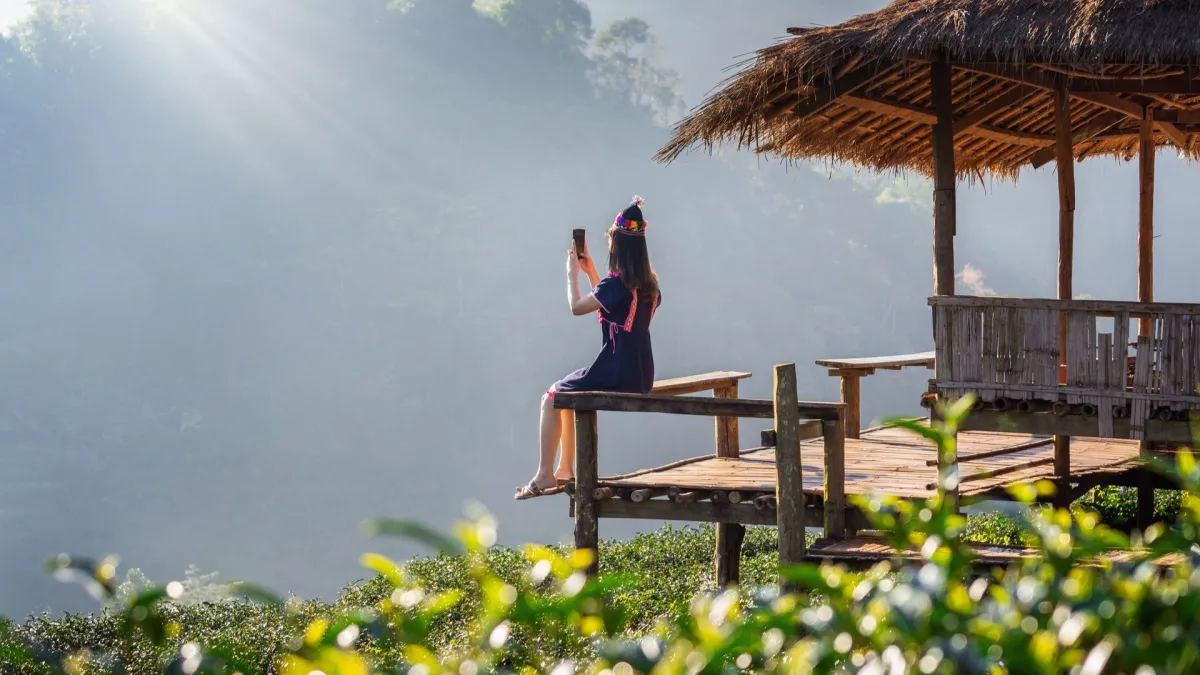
{"x":860,"y":91}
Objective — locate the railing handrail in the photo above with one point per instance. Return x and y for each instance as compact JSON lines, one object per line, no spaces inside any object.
{"x":689,"y":405}
{"x":1098,"y":306}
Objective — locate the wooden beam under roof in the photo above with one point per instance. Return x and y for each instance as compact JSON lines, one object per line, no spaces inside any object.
{"x":923,"y":115}
{"x":824,"y":96}
{"x":1083,"y":74}
{"x":1178,"y":138}
{"x":1174,"y":85}
{"x":1136,"y":111}
{"x":894,"y":108}
{"x":1102,"y":93}
{"x":1119,"y":109}
{"x":979,"y":115}
{"x":1190,"y":116}
{"x":1091,"y":130}
{"x":1012,"y":136}
{"x":1113,"y":102}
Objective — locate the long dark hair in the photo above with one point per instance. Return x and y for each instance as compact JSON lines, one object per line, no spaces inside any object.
{"x":629,"y":259}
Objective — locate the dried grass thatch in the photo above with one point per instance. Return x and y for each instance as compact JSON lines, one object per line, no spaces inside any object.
{"x":860,"y":91}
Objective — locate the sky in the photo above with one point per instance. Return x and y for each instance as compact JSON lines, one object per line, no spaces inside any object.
{"x":703,"y":39}
{"x":10,"y":12}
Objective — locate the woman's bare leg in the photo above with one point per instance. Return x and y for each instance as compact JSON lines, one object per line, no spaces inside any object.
{"x":549,"y":433}
{"x":566,"y":461}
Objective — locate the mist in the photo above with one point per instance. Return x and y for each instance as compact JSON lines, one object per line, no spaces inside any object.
{"x":275,"y":268}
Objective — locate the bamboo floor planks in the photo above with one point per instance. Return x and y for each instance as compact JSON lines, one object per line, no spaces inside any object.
{"x":887,"y":462}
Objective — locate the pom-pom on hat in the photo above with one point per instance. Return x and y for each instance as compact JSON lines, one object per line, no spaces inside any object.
{"x":631,"y":221}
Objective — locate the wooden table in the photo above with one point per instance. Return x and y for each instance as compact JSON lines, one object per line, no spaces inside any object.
{"x":852,"y":370}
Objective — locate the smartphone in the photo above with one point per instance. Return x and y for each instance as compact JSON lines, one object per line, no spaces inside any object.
{"x":578,"y":235}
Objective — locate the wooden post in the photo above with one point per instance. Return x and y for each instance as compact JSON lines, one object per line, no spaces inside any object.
{"x":835,"y":479}
{"x":790,"y":480}
{"x":1145,"y":507}
{"x":729,"y":553}
{"x":1065,"y":154}
{"x":851,"y":396}
{"x":1146,"y":218}
{"x":729,"y":535}
{"x":727,"y":427}
{"x":587,"y":475}
{"x":943,"y":179}
{"x":1062,"y":471}
{"x":947,"y":465}
{"x":1145,"y":493}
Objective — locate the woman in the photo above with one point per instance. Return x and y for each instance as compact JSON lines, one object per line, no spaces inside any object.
{"x":626,"y":301}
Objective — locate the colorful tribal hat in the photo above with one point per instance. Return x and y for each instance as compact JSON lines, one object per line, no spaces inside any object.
{"x":631,"y":221}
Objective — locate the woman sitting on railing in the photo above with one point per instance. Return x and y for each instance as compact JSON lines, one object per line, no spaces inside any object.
{"x":626,"y":301}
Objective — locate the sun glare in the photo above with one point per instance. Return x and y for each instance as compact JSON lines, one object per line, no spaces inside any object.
{"x":202,"y":43}
{"x":11,"y":13}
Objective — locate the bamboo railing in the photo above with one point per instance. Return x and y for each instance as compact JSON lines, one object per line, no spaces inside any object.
{"x":1070,"y":357}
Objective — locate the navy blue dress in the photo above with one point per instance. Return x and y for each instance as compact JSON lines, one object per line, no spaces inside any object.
{"x":626,"y":361}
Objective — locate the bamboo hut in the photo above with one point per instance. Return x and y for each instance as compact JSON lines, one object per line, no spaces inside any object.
{"x":954,"y":90}
{"x":970,"y":89}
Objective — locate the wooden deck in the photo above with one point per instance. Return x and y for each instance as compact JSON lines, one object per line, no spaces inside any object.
{"x":863,"y":552}
{"x":811,"y":462}
{"x":889,"y":462}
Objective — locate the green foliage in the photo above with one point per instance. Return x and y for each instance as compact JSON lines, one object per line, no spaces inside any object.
{"x":999,"y":529}
{"x":13,"y":652}
{"x":491,"y":609}
{"x":1117,"y":506}
{"x":664,"y":570}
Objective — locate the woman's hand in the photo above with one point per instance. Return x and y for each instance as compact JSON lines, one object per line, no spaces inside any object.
{"x":586,"y":263}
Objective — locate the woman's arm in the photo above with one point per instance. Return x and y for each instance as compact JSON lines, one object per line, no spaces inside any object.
{"x":579,"y":305}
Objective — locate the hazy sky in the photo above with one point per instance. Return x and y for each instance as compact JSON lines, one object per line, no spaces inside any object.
{"x":701,"y":39}
{"x":10,"y":11}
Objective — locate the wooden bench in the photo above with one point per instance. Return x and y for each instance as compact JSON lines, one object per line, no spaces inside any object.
{"x":853,"y":370}
{"x":714,"y":381}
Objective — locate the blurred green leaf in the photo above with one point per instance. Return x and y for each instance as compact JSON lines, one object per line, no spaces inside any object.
{"x":256,"y":593}
{"x":408,"y":529}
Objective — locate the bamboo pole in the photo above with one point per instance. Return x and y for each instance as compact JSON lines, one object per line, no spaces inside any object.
{"x":789,"y":483}
{"x":729,"y":535}
{"x":835,"y":480}
{"x":943,"y":170}
{"x":1065,"y":155}
{"x":851,"y":396}
{"x":1146,"y":218}
{"x":1145,"y":501}
{"x":587,"y":531}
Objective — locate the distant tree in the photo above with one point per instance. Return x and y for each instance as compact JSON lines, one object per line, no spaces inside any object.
{"x":623,"y":62}
{"x":564,"y":25}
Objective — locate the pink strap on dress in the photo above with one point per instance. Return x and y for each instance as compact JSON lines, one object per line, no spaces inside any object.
{"x":632,"y":313}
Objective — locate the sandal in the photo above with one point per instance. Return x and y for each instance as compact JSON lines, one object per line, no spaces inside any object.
{"x":563,"y":482}
{"x":529,"y":491}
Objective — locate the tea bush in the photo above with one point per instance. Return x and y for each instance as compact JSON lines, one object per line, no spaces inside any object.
{"x":476,"y":608}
